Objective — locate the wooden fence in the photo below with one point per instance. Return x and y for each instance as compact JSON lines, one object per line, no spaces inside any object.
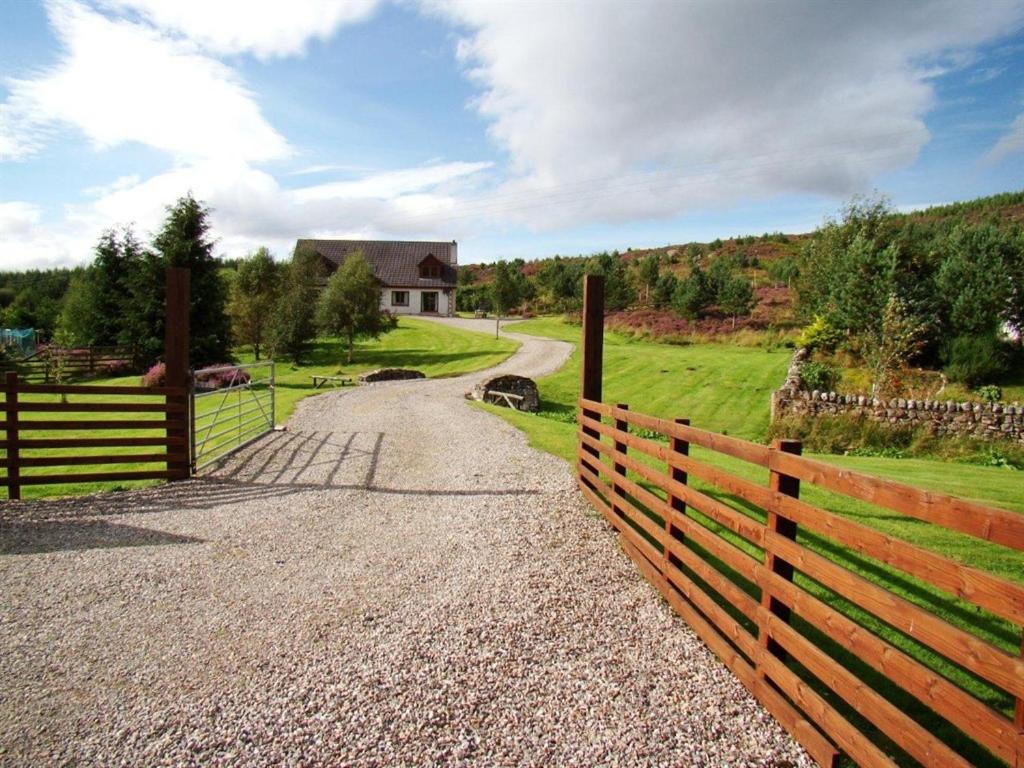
{"x":49,"y":364}
{"x":48,"y":426}
{"x":743,"y":605}
{"x":123,"y":426}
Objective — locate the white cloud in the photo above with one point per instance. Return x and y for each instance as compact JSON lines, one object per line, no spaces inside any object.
{"x":249,"y":209}
{"x":27,"y":242}
{"x":985,"y":74}
{"x":611,"y":113}
{"x":265,"y":29}
{"x":389,"y":184}
{"x":17,"y":218}
{"x":119,"y":82}
{"x":1009,"y":143}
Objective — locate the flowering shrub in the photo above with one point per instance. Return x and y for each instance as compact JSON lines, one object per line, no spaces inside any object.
{"x":155,"y":376}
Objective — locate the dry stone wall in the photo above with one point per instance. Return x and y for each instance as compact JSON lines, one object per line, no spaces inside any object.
{"x":989,"y":421}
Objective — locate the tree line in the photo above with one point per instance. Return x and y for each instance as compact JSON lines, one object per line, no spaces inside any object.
{"x":711,"y":283}
{"x":119,"y":298}
{"x":942,"y":292}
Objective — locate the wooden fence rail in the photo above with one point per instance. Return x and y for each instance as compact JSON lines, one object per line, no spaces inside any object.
{"x":52,"y":363}
{"x":696,"y":547}
{"x":35,"y":422}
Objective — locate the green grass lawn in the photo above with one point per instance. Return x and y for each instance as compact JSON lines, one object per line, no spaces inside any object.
{"x":434,"y":349}
{"x":720,"y":387}
{"x":726,"y":389}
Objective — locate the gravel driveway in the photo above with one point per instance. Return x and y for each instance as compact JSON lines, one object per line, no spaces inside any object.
{"x":397,"y":579}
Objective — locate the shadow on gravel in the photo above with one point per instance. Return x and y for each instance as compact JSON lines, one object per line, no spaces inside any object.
{"x":32,"y":537}
{"x":280,"y":465}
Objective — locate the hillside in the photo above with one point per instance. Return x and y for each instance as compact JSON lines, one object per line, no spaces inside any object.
{"x":770,"y":262}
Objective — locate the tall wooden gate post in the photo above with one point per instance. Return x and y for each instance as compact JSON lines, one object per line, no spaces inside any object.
{"x":13,"y":451}
{"x":783,"y":526}
{"x":176,"y":341}
{"x":593,"y":355}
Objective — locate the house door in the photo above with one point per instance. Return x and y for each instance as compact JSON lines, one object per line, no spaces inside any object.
{"x":428,"y":302}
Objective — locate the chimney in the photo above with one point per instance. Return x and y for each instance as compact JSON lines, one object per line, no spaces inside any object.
{"x":454,"y":251}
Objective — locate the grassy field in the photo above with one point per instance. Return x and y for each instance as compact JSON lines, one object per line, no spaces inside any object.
{"x":726,"y":389}
{"x":437,"y":350}
{"x":434,"y":349}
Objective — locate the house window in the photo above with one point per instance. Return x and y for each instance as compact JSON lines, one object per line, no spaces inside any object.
{"x":400,"y":298}
{"x":430,"y":270}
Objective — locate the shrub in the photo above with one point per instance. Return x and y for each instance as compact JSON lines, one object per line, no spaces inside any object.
{"x":155,"y":376}
{"x":971,"y":360}
{"x":820,"y":376}
{"x":820,"y":334}
{"x":990,"y":393}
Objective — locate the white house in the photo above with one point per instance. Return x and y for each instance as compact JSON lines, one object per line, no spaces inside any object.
{"x":416,"y":277}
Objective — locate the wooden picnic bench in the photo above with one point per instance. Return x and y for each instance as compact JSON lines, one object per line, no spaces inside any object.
{"x":335,"y":381}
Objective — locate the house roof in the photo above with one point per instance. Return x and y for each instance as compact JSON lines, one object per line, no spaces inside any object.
{"x":395,"y":262}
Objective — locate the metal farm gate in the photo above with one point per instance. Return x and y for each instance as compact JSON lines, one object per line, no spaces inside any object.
{"x":231,"y":406}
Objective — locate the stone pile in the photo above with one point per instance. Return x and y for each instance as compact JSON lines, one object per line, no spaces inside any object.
{"x":523,"y":390}
{"x":390,"y":374}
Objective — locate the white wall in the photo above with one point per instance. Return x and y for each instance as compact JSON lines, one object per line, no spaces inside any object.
{"x":414,"y":301}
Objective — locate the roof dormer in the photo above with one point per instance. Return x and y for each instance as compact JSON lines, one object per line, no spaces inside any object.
{"x":431,"y":267}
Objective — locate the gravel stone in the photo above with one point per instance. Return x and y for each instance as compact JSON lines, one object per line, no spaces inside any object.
{"x":397,"y":579}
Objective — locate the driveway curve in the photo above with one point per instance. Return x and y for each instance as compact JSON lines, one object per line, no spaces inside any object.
{"x":396,"y":579}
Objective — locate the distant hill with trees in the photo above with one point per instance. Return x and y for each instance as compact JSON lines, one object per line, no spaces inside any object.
{"x":939,"y":288}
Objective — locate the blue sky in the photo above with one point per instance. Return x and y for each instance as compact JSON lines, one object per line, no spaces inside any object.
{"x":518,"y":129}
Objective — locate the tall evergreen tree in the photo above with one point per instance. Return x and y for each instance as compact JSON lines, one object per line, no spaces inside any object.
{"x":144,"y":317}
{"x":183,"y":242}
{"x":973,"y":280}
{"x":736,"y":296}
{"x":99,"y":302}
{"x":694,"y":294}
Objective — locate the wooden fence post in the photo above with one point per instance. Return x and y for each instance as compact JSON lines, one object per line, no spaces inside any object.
{"x":176,"y":342}
{"x":783,"y":526}
{"x":13,"y":452}
{"x":593,"y":356}
{"x":620,"y":470}
{"x":682,"y":447}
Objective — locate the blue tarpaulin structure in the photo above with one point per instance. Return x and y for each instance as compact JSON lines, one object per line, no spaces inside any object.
{"x":20,"y":341}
